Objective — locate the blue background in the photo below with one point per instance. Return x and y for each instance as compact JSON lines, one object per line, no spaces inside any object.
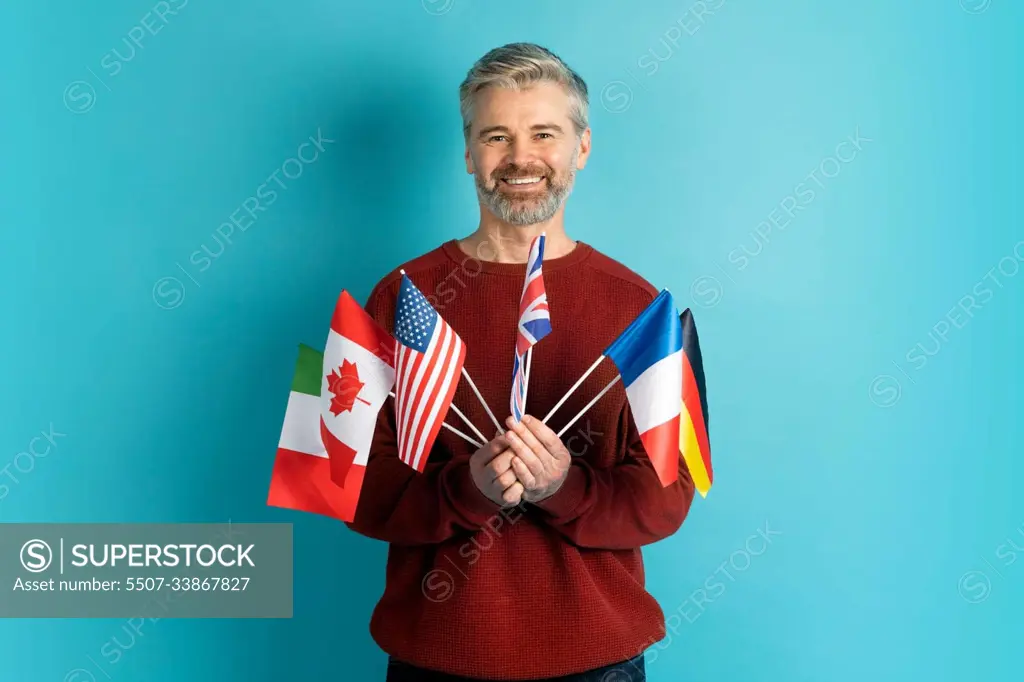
{"x":888,"y":485}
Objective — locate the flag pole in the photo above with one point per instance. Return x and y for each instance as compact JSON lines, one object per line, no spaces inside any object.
{"x":461,"y":435}
{"x":482,"y":401}
{"x":574,"y":387}
{"x":455,"y":430}
{"x":526,"y":378}
{"x":590,"y":404}
{"x":470,"y":425}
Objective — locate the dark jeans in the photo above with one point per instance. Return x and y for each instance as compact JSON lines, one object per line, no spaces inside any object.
{"x":628,"y":671}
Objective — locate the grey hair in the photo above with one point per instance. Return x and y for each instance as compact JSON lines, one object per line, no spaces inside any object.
{"x":520,"y":65}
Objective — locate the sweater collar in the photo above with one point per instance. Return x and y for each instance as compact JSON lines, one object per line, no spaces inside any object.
{"x":457,"y":255}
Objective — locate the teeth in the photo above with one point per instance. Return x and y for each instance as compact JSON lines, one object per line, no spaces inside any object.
{"x":522,"y":181}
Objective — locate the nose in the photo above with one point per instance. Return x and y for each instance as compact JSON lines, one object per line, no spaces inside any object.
{"x":521,"y":152}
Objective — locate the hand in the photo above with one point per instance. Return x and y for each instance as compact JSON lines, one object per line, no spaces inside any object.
{"x":541,"y":462}
{"x":491,"y":467}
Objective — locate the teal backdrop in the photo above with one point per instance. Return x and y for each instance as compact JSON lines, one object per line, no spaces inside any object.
{"x":833,"y":187}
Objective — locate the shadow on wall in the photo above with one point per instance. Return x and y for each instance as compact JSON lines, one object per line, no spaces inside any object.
{"x":373,"y":200}
{"x":389,"y":151}
{"x":396,"y":163}
{"x":395,"y":141}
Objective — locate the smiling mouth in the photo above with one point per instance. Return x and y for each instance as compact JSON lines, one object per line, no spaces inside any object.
{"x":523,"y":182}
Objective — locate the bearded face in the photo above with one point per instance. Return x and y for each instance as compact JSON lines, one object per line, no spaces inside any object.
{"x":526,"y":194}
{"x":523,"y":151}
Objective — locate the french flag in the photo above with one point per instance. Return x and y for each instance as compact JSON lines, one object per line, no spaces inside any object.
{"x":649,"y":357}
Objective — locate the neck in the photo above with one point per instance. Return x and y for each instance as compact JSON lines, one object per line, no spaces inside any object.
{"x":511,"y":243}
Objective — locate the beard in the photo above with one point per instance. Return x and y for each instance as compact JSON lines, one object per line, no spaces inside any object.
{"x":522,"y":209}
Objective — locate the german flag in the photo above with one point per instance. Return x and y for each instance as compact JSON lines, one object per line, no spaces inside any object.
{"x":693,"y":424}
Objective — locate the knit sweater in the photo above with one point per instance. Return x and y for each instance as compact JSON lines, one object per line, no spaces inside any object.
{"x":543,"y":589}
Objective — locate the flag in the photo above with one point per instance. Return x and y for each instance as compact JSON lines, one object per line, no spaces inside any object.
{"x":694,"y":439}
{"x":301,"y":477}
{"x":429,"y":359}
{"x":534,"y":324}
{"x":358,"y":373}
{"x":649,"y":357}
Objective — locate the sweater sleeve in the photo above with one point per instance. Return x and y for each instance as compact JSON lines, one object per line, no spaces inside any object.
{"x":620,"y":507}
{"x":400,"y":505}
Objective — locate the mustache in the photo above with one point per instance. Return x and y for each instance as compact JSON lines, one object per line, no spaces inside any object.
{"x":513,"y":171}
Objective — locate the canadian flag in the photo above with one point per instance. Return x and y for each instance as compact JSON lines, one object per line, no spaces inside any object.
{"x":358,"y":374}
{"x":323,"y":472}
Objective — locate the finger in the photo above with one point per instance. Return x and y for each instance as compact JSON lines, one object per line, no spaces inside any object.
{"x":505,"y":480}
{"x":484,"y":454}
{"x":523,"y":451}
{"x":497,"y":444}
{"x":548,"y":438}
{"x":489,"y":451}
{"x":523,"y":474}
{"x":514,"y":494}
{"x":500,"y":464}
{"x":535,"y":446}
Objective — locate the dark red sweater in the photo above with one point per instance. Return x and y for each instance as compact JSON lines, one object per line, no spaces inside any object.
{"x":538,"y":590}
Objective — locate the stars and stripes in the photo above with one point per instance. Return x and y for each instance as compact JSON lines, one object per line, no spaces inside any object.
{"x":534,"y":324}
{"x":429,"y":358}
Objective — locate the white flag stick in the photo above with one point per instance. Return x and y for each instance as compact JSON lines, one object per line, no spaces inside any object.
{"x":454,"y":430}
{"x":482,"y":401}
{"x":526,"y":379}
{"x":461,"y":435}
{"x":574,"y":387}
{"x":470,"y":425}
{"x":590,"y":404}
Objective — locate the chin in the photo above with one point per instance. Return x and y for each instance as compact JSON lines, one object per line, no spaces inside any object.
{"x":524,"y":197}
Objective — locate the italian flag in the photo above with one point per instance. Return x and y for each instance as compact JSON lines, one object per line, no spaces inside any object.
{"x":332,"y":411}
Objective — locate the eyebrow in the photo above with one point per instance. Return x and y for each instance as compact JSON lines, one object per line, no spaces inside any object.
{"x":535,"y":128}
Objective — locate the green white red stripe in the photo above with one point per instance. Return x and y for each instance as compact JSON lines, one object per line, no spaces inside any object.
{"x":301,"y":478}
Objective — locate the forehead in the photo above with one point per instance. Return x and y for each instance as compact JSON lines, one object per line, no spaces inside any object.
{"x":539,"y":103}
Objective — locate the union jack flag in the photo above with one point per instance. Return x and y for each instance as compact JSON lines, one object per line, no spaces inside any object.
{"x":429,"y":358}
{"x":534,"y":324}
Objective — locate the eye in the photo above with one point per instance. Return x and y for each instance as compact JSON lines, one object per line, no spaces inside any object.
{"x":545,"y":136}
{"x":495,"y":138}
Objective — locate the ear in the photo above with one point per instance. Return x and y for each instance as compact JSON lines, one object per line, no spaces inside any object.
{"x":584,"y":154}
{"x":469,"y":160}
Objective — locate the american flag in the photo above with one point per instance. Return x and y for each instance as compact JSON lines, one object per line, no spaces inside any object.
{"x":429,"y":359}
{"x":534,"y":324}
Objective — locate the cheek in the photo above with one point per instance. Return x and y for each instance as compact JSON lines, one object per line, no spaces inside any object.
{"x":486,"y":160}
{"x":485,"y":168}
{"x":558,"y":160}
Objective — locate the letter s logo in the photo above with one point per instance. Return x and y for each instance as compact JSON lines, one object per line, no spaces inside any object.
{"x":36,"y":556}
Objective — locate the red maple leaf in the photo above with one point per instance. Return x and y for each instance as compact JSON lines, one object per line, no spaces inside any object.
{"x":344,"y":384}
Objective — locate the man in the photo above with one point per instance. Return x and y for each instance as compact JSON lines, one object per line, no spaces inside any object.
{"x":521,"y":560}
